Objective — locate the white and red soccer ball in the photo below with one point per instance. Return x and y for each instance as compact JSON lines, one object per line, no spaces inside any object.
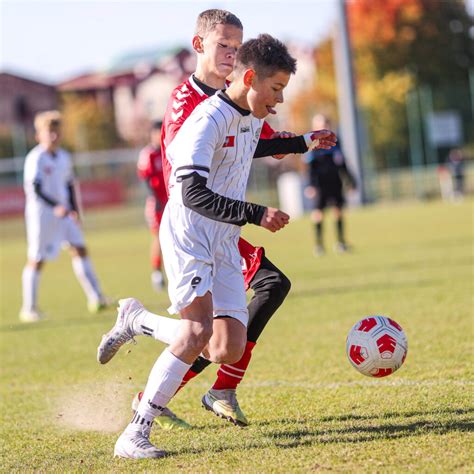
{"x":376,"y":346}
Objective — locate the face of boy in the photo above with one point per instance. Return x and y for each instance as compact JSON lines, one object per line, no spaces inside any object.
{"x":218,"y":49}
{"x":264,"y":94}
{"x":49,"y":136}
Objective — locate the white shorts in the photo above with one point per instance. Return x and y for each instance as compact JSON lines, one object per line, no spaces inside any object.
{"x":201,"y":255}
{"x":46,"y":233}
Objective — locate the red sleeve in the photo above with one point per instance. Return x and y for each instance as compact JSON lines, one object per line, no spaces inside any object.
{"x":267,"y":131}
{"x":182,"y":102}
{"x":144,"y":164}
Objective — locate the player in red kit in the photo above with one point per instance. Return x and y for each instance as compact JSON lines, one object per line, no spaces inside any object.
{"x":150,"y":169}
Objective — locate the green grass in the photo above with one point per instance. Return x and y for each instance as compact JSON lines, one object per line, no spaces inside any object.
{"x":309,"y":409}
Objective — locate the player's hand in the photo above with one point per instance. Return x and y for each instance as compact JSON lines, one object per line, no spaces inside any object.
{"x":274,"y":219}
{"x":60,"y":211}
{"x":74,"y":216}
{"x":282,"y":135}
{"x":320,"y":139}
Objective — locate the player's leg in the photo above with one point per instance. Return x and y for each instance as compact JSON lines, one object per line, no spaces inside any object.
{"x":30,"y":281}
{"x":153,"y":215}
{"x":317,"y":216}
{"x":82,"y":265}
{"x":43,"y":236}
{"x":165,"y":378}
{"x":341,"y":245}
{"x":270,"y":287}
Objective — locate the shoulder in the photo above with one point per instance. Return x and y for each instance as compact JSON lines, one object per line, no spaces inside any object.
{"x":183,"y":100}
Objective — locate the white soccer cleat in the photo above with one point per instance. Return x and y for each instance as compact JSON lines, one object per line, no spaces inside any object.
{"x":122,"y":332}
{"x":31,"y":316}
{"x":137,"y":445}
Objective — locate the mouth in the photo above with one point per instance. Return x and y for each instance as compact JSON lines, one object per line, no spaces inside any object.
{"x":271,"y":110}
{"x":230,"y":66}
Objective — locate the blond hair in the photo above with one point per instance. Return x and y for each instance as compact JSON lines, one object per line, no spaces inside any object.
{"x":47,"y":119}
{"x":209,"y":19}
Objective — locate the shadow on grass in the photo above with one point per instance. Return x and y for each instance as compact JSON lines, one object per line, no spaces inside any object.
{"x":354,"y":429}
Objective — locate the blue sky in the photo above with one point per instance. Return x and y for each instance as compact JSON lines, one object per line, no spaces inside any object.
{"x":54,"y":40}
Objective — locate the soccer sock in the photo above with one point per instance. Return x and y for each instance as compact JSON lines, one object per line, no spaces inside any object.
{"x":161,"y":328}
{"x":340,"y":230}
{"x":230,"y":375}
{"x":85,"y":274}
{"x":319,"y":232}
{"x":163,"y":382}
{"x":156,"y":262}
{"x":30,"y":280}
{"x":198,"y":366}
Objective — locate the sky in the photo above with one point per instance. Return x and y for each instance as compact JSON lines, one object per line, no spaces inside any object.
{"x":57,"y":39}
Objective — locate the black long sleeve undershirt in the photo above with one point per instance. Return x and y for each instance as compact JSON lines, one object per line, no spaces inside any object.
{"x":52,"y":202}
{"x":39,"y":192}
{"x":280,"y":146}
{"x":198,"y":197}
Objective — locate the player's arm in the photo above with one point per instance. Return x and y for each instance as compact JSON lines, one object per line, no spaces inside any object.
{"x":345,"y":173}
{"x":322,"y":139}
{"x":196,"y":195}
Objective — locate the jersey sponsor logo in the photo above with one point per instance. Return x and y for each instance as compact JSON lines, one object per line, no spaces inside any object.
{"x":195,"y":281}
{"x":244,"y":129}
{"x":229,"y":141}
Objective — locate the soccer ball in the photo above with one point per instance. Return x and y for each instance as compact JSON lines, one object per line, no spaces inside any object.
{"x":376,"y":346}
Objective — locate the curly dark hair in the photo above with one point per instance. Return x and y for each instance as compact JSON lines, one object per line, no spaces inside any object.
{"x":266,"y":55}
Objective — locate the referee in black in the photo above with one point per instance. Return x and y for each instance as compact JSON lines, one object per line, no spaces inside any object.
{"x":327,"y":170}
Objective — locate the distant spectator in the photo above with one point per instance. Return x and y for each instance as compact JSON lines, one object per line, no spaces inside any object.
{"x":327,"y":169}
{"x":456,"y":167}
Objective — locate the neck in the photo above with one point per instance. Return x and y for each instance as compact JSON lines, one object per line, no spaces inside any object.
{"x":238,"y":94}
{"x":209,"y":79}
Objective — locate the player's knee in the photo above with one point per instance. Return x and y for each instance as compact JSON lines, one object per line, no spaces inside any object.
{"x":228,"y":353}
{"x":278,"y":285}
{"x":201,"y":332}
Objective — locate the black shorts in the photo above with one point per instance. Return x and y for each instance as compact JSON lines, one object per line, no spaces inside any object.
{"x":329,"y":197}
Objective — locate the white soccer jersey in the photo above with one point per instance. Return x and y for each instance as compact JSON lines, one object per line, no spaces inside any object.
{"x":218,"y":141}
{"x":54,"y":172}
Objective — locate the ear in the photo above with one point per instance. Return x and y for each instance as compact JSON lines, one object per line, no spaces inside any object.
{"x":249,"y":76}
{"x":197,"y":44}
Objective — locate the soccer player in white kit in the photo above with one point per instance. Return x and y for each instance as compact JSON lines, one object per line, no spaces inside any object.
{"x":211,"y":157}
{"x":51,"y":215}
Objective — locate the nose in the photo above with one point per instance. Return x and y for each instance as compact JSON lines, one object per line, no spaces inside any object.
{"x":279,"y":97}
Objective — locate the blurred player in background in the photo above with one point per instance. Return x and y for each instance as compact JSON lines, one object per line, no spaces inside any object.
{"x":150,"y":169}
{"x":52,"y":217}
{"x":327,"y":169}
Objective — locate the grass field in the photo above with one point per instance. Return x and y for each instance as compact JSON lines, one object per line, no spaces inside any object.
{"x":309,"y":409}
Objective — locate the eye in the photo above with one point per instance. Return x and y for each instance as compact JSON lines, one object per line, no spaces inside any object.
{"x":222,"y":45}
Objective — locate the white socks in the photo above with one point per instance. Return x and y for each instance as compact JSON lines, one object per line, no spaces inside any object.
{"x":163,"y":382}
{"x":161,"y":328}
{"x":30,"y":280}
{"x":85,"y":274}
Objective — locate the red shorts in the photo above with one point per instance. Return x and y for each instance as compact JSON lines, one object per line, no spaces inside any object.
{"x":251,"y":260}
{"x":153,"y":213}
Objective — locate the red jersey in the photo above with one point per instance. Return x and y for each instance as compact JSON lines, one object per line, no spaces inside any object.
{"x":150,"y":169}
{"x":183,"y":101}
